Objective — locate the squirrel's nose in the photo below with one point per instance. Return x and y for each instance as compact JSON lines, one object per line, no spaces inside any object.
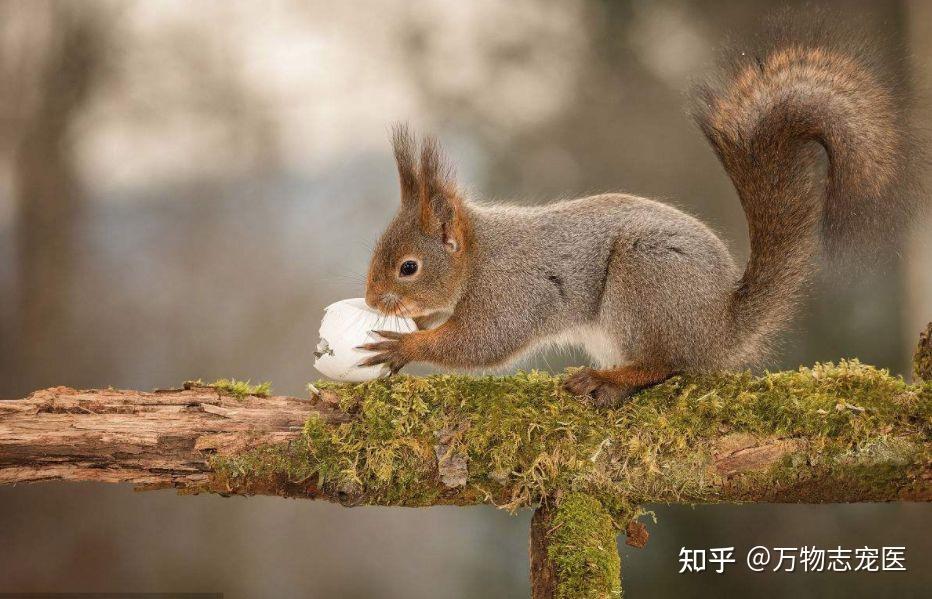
{"x":383,"y":302}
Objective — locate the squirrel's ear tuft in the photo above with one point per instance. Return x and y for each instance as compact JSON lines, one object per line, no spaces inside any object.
{"x":404,"y":146}
{"x":441,"y":206}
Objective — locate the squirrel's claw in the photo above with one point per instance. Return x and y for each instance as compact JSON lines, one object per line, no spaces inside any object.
{"x":377,"y":346}
{"x":389,"y":352}
{"x":374,"y":360}
{"x":389,"y":334}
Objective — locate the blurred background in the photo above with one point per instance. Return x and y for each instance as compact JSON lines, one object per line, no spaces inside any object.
{"x":185,"y":185}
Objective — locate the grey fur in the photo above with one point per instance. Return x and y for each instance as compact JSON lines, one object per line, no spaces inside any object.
{"x":643,"y":287}
{"x":625,"y":264}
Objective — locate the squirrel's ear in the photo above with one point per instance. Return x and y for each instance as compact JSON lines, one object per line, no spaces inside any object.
{"x":404,"y":146}
{"x":441,"y":207}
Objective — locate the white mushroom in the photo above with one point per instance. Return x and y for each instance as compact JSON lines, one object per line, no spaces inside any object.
{"x":346,"y":325}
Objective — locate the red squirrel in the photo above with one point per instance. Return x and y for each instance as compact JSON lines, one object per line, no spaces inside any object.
{"x":645,"y":289}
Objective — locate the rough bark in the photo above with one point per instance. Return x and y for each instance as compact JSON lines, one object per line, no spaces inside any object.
{"x":163,"y":438}
{"x":923,"y":359}
{"x":543,"y":577}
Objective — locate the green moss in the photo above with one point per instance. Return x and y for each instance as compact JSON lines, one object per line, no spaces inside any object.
{"x":583,"y":550}
{"x":241,"y":389}
{"x":271,"y":470}
{"x":521,"y":436}
{"x":844,"y":431}
{"x":524,"y":438}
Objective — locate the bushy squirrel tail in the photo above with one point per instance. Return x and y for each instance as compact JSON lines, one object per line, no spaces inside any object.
{"x":766,"y":116}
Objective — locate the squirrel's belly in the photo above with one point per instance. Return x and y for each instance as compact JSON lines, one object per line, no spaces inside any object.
{"x":603,"y":349}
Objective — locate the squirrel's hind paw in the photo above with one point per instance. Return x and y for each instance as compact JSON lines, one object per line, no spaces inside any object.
{"x":612,"y":387}
{"x":596,"y":390}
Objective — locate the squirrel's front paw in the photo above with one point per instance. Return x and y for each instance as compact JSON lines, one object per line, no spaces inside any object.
{"x":599,"y":392}
{"x":389,"y":352}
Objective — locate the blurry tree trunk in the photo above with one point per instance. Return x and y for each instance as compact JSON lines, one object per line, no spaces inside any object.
{"x":919,"y":252}
{"x":68,"y":62}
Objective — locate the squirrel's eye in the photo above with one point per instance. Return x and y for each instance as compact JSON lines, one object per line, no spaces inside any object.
{"x":408,"y":268}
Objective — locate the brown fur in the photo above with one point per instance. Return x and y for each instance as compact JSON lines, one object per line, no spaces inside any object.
{"x":765,"y":117}
{"x":431,"y":226}
{"x":646,"y":289}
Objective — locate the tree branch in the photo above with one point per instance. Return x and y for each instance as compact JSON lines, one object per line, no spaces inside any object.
{"x":164,"y":438}
{"x":844,"y":433}
{"x":823,"y":434}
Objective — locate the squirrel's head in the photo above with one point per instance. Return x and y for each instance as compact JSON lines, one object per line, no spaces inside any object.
{"x":419,"y":263}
